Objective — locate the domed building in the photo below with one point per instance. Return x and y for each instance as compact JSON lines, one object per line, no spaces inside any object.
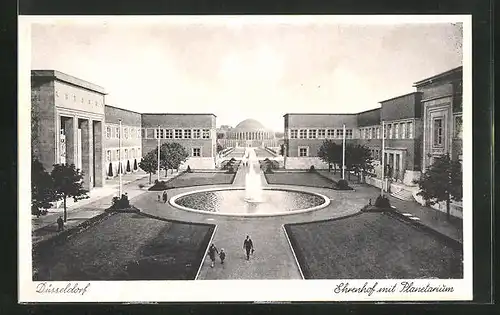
{"x":248,"y":133}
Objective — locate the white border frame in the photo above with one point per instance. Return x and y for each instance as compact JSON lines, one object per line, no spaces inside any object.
{"x":233,"y":290}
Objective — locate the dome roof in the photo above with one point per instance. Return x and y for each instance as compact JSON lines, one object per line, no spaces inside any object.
{"x":250,"y":124}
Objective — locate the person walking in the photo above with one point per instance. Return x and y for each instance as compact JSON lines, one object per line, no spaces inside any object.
{"x":165,"y":197}
{"x":248,"y":246}
{"x":212,"y":250}
{"x":60,"y":224}
{"x":222,"y":256}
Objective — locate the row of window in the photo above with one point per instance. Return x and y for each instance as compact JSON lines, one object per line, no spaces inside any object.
{"x":177,"y":133}
{"x":114,"y":155}
{"x":399,"y":130}
{"x":82,"y":100}
{"x":113,"y":132}
{"x":320,"y":133}
{"x":438,"y":130}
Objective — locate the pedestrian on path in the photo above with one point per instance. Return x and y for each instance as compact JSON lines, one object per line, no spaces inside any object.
{"x":222,"y":255}
{"x":248,"y":246}
{"x":60,"y":224}
{"x":211,"y":253}
{"x":165,"y":197}
{"x":159,"y":197}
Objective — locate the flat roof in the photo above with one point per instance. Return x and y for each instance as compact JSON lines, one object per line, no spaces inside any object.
{"x":128,"y":110}
{"x":205,"y":114}
{"x":395,"y":98}
{"x":369,"y":110}
{"x":329,"y":114}
{"x":438,"y":76}
{"x":61,"y":76}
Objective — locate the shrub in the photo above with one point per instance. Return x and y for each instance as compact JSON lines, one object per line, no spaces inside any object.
{"x":158,"y":186}
{"x":128,"y":166}
{"x":269,"y":170}
{"x":110,"y":170}
{"x":120,"y":203}
{"x":141,"y":186}
{"x":230,"y":170}
{"x":342,"y":184}
{"x":382,"y":202}
{"x":188,"y":170}
{"x":312,"y":169}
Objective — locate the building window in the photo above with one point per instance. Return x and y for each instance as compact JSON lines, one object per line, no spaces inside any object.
{"x":66,"y":96}
{"x":410,"y":130}
{"x":293,"y":134}
{"x":196,"y":134}
{"x":321,"y":133}
{"x":108,"y":132}
{"x":187,"y":134}
{"x":169,"y":134}
{"x":378,"y":132}
{"x":312,"y":133}
{"x":126,"y":153}
{"x":458,"y":127}
{"x":138,"y":133}
{"x":396,"y":131}
{"x":139,"y":152}
{"x":108,"y":155}
{"x":57,"y":93}
{"x":178,"y":133}
{"x":303,"y":133}
{"x":331,"y":133}
{"x":132,"y":133}
{"x":438,"y":131}
{"x":89,"y":102}
{"x":82,"y":99}
{"x":125,"y":132}
{"x":403,"y":130}
{"x":74,"y":98}
{"x":340,"y":133}
{"x":362,"y":133}
{"x":303,"y":151}
{"x":206,"y":133}
{"x":389,"y":130}
{"x":132,"y":153}
{"x":348,"y":133}
{"x":196,"y":152}
{"x":117,"y":152}
{"x":117,"y":132}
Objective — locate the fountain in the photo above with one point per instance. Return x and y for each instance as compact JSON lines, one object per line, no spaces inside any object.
{"x":253,"y":185}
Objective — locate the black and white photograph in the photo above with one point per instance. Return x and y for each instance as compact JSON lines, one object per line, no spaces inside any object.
{"x":245,"y":158}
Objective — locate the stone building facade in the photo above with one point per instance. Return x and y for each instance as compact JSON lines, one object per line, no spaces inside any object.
{"x":130,"y":138}
{"x":71,"y":124}
{"x":418,"y":126}
{"x":196,"y":132}
{"x":69,"y":114}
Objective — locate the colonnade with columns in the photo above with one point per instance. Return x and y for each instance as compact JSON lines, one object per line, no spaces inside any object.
{"x":251,"y":135}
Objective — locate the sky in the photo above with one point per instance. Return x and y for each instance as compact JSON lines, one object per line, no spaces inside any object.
{"x":247,"y":70}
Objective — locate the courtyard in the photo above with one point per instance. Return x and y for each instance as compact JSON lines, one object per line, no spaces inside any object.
{"x":337,"y":241}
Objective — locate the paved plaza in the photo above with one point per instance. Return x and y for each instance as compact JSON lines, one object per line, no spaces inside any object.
{"x":274,"y":257}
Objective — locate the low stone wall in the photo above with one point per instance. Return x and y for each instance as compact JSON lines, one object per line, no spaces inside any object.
{"x":455,"y":208}
{"x":304,"y":163}
{"x":207,"y":163}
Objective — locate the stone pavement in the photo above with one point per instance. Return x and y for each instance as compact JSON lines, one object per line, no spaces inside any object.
{"x":432,"y":218}
{"x":45,"y":226}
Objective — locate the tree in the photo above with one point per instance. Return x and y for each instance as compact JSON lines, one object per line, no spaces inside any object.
{"x":172,"y":155}
{"x":442,"y":182}
{"x":68,"y":182}
{"x":110,"y":170}
{"x":359,"y":159}
{"x":149,"y":163}
{"x":42,"y":193}
{"x":135,"y":164}
{"x":128,"y":166}
{"x":282,"y":149}
{"x":330,"y":153}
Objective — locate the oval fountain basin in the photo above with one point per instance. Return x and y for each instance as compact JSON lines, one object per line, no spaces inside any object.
{"x":235,"y":202}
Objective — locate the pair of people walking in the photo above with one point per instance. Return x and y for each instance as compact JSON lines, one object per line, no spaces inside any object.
{"x":211,"y":253}
{"x":163,"y":197}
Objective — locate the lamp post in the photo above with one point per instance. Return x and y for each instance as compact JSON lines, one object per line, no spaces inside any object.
{"x":120,"y":160}
{"x":158,"y":136}
{"x":383,"y":159}
{"x":343,"y":152}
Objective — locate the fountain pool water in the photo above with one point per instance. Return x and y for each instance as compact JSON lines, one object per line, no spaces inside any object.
{"x":253,"y":185}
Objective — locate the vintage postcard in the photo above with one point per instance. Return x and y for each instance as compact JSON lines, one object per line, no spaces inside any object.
{"x":245,"y":158}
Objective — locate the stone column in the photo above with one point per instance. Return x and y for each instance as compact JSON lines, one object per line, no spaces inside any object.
{"x":99,"y":157}
{"x":87,"y":158}
{"x":70,"y":130}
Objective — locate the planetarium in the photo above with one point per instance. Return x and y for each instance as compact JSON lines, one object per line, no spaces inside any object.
{"x":248,"y":133}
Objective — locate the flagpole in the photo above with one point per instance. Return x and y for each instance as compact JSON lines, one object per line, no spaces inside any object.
{"x":383,"y":159}
{"x":158,"y":136}
{"x":120,"y":160}
{"x":343,"y":152}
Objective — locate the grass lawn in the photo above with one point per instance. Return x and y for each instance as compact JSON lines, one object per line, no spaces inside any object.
{"x":127,"y":247}
{"x":371,"y":246}
{"x":299,"y":178}
{"x":200,"y":179}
